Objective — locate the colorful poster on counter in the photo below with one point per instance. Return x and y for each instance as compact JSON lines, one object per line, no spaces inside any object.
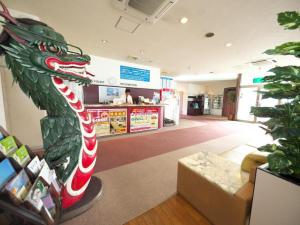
{"x":118,"y":121}
{"x":142,"y":119}
{"x":101,"y":120}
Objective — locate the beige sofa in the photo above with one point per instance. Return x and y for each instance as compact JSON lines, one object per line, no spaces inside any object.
{"x":215,"y":185}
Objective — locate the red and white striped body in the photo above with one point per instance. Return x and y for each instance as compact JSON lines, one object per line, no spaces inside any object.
{"x":75,"y":186}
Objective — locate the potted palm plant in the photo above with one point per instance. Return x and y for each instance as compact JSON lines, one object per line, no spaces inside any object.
{"x":277,"y":186}
{"x":231,"y":97}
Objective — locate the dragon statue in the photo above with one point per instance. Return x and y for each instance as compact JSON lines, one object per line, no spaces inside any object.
{"x":41,"y":60}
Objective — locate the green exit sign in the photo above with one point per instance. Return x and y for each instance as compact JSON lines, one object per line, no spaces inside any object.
{"x":258,"y":80}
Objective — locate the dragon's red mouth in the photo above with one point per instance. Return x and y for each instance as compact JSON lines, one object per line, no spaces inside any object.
{"x":77,"y":69}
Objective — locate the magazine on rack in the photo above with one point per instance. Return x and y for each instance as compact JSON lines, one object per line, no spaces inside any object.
{"x":8,"y":146}
{"x":7,"y":172}
{"x":46,"y":174}
{"x":34,"y":167}
{"x":38,"y":190}
{"x":49,"y":209}
{"x":1,"y":136}
{"x":18,"y":187}
{"x":21,"y":156}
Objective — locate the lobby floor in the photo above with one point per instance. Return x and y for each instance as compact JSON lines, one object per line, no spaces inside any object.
{"x":140,"y":181}
{"x":175,"y":210}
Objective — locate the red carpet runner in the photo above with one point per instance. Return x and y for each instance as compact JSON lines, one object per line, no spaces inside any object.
{"x":114,"y":153}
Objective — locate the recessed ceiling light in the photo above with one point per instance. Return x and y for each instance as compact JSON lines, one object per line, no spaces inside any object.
{"x":228,"y":45}
{"x":184,"y":20}
{"x":104,"y":41}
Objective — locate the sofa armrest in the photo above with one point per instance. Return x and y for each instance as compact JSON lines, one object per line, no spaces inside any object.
{"x":245,"y":192}
{"x":252,"y":175}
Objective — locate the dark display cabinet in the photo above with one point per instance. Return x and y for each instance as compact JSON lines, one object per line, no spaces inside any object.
{"x":195,"y":105}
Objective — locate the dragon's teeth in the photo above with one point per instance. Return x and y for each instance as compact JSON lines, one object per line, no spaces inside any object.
{"x":56,"y":66}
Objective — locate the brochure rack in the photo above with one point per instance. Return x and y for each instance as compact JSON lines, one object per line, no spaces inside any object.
{"x":92,"y":194}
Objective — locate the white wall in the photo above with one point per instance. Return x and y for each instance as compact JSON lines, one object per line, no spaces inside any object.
{"x":189,"y":89}
{"x":195,"y":89}
{"x":217,"y":88}
{"x":2,"y":111}
{"x":22,"y":116}
{"x":107,"y":72}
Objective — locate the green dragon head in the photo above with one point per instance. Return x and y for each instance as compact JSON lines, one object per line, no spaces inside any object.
{"x":36,"y":46}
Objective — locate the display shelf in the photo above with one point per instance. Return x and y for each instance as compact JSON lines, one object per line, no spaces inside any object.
{"x":217,"y":101}
{"x":195,"y":105}
{"x":91,"y":196}
{"x":25,"y":214}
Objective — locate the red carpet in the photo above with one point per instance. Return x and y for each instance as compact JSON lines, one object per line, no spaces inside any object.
{"x":114,"y":153}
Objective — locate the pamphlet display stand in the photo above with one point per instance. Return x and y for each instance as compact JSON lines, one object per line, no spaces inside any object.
{"x":92,"y":194}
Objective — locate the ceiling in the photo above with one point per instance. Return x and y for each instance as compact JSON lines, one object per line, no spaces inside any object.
{"x":177,"y":49}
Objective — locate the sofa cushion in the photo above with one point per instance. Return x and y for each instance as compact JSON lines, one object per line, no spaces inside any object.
{"x":222,"y":172}
{"x":237,"y":154}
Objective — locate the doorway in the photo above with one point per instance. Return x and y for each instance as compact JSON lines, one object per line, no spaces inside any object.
{"x":229,"y":103}
{"x":248,"y":98}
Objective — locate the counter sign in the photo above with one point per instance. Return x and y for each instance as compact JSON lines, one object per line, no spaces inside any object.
{"x":136,"y":74}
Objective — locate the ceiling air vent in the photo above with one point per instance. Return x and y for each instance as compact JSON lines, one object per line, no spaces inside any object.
{"x":144,"y":10}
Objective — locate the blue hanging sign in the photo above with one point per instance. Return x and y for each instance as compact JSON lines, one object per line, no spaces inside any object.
{"x":131,"y":73}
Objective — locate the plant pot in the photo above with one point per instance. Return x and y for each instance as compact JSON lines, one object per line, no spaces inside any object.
{"x":276,"y":199}
{"x":230,"y":116}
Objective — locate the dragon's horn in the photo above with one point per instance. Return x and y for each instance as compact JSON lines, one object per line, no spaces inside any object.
{"x":5,"y":13}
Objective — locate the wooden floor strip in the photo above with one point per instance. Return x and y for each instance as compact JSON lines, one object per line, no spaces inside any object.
{"x":174,"y":211}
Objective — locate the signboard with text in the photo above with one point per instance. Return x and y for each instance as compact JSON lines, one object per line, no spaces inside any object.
{"x":116,"y":73}
{"x":136,"y":74}
{"x":109,"y":121}
{"x":118,"y":121}
{"x":101,"y":120}
{"x":142,"y":119}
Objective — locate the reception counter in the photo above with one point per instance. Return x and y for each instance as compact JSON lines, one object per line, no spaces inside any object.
{"x":122,"y":119}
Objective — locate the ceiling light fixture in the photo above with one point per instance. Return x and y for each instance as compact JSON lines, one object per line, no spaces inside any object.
{"x":132,"y":58}
{"x":104,"y":41}
{"x":209,"y":34}
{"x":228,"y":45}
{"x":184,"y":20}
{"x":142,"y":52}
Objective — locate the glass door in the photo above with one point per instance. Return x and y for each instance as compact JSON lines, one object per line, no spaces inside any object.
{"x":248,"y":98}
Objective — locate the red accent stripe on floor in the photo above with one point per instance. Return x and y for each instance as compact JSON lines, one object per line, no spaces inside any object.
{"x":114,"y":153}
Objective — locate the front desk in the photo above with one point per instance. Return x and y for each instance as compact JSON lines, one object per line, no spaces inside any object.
{"x":122,"y":119}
